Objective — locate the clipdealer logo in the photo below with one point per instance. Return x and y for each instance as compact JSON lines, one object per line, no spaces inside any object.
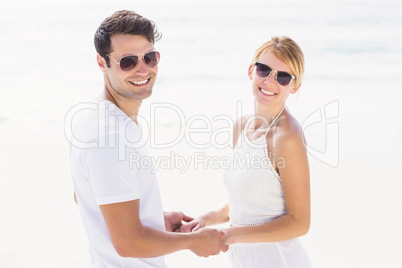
{"x":114,"y":130}
{"x":326,"y":122}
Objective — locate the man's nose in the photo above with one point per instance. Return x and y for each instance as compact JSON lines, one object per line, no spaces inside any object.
{"x":141,"y":68}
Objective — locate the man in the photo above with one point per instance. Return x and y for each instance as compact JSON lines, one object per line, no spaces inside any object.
{"x":120,"y":203}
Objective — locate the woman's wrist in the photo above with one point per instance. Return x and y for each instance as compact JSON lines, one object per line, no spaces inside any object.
{"x":230,"y":237}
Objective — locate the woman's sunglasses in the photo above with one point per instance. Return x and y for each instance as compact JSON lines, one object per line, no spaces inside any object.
{"x":283,"y":78}
{"x":127,"y":63}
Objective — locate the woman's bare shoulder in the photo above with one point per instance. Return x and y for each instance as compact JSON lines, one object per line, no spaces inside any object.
{"x":289,"y":131}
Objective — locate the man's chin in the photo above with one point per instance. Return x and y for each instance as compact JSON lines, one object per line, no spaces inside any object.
{"x":147,"y":94}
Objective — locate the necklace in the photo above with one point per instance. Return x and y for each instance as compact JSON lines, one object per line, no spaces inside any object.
{"x":270,"y":125}
{"x":276,"y":117}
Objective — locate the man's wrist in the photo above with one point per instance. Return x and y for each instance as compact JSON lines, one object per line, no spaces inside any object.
{"x":191,"y":240}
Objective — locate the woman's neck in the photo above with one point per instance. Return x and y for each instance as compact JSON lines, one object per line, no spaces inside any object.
{"x":265,"y":115}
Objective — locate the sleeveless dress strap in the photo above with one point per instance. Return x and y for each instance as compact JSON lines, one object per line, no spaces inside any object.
{"x":273,"y":122}
{"x":245,"y":130}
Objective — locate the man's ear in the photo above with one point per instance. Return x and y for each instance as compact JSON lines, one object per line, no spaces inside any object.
{"x":101,"y":63}
{"x":295,"y":89}
{"x":250,"y":71}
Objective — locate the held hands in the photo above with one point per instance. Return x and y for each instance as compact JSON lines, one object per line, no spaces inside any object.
{"x":211,"y":241}
{"x":207,"y":242}
{"x":193,"y":225}
{"x":174,"y":221}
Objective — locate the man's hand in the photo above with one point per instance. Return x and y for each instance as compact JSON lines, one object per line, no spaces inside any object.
{"x":174,"y":220}
{"x":207,"y":242}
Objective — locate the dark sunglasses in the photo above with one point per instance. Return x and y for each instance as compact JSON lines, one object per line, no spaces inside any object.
{"x":127,"y":63}
{"x":283,"y":78}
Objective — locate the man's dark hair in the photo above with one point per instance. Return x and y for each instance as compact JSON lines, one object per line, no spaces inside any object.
{"x":123,"y":22}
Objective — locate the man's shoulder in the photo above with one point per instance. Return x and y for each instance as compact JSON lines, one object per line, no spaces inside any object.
{"x":86,"y":120}
{"x":99,"y":121}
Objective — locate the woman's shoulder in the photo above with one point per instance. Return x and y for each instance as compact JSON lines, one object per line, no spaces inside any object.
{"x":288,"y":124}
{"x":289,"y":132}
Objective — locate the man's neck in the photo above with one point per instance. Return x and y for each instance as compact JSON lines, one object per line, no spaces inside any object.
{"x":130,"y":107}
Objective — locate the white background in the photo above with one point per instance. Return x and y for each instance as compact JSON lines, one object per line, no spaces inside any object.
{"x":353,"y":58}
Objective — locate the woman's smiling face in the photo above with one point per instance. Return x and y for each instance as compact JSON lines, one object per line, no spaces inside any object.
{"x":266,"y":90}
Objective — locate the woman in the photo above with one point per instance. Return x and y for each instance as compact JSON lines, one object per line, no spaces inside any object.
{"x":269,"y":182}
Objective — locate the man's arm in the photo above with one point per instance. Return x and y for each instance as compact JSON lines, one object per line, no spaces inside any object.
{"x":131,"y":238}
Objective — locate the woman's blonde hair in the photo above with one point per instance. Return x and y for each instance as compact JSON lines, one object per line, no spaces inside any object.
{"x":285,"y":49}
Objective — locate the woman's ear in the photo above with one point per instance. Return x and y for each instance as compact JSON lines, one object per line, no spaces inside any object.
{"x":101,"y":63}
{"x":250,"y":71}
{"x":295,"y":89}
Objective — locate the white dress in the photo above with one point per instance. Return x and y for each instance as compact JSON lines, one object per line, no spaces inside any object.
{"x":256,"y":197}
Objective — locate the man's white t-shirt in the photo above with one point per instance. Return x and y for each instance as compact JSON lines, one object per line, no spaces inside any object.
{"x":110,"y":164}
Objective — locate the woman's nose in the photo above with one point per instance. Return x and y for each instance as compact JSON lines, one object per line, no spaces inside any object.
{"x":271,"y":78}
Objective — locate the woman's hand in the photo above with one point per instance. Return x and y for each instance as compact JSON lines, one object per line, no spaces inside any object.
{"x":193,"y":225}
{"x":211,"y":218}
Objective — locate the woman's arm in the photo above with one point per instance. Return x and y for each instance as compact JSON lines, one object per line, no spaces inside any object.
{"x":295,"y":178}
